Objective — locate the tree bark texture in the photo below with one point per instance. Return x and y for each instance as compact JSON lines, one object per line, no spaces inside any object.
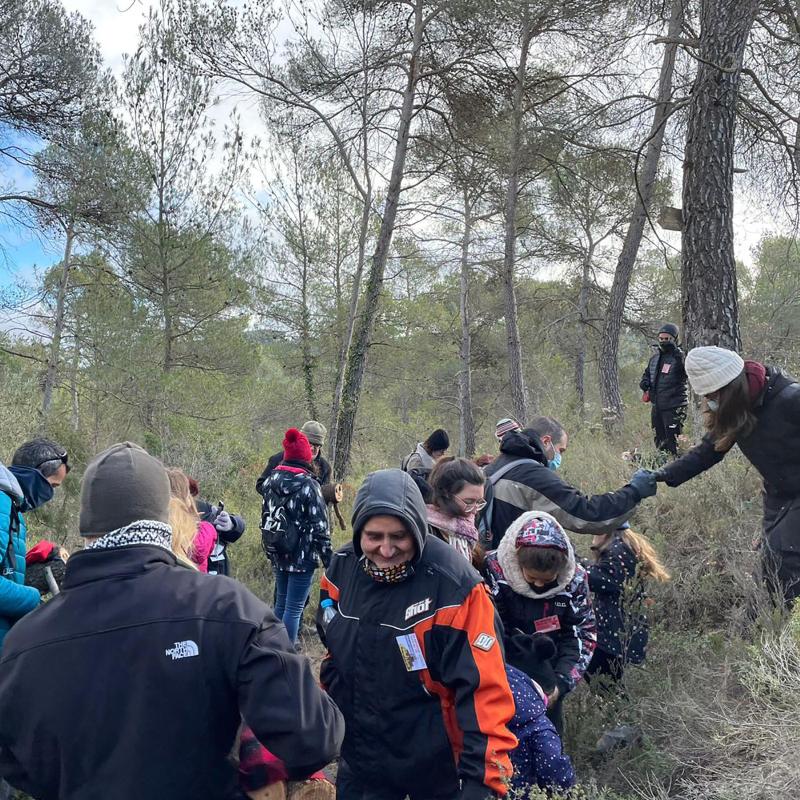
{"x":516,"y":376}
{"x":610,"y":396}
{"x":465,"y":417}
{"x":708,"y":273}
{"x":51,"y":376}
{"x":359,"y":349}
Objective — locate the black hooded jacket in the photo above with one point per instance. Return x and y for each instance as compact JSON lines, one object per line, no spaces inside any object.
{"x":131,"y":682}
{"x":421,"y":725}
{"x":535,"y":487}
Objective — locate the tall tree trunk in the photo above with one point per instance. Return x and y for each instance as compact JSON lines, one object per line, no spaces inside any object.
{"x":708,"y":273}
{"x":610,"y":397}
{"x":51,"y":376}
{"x":75,"y":417}
{"x":365,"y":193}
{"x":519,"y":397}
{"x":305,"y":311}
{"x":357,"y":356}
{"x":466,"y":423}
{"x":583,"y":315}
{"x":352,"y":315}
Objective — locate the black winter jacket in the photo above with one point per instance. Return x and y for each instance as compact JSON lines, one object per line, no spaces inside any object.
{"x":322,"y":470}
{"x":417,"y":725}
{"x":564,"y":613}
{"x":665,"y":380}
{"x":535,"y":487}
{"x":218,"y":563}
{"x":618,"y":598}
{"x":773,"y":448}
{"x":295,"y":499}
{"x":130,"y":683}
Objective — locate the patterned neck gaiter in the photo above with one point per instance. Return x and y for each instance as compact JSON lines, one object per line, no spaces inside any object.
{"x":144,"y":531}
{"x":387,"y":574}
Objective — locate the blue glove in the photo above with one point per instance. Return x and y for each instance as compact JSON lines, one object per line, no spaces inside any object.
{"x":644,"y":481}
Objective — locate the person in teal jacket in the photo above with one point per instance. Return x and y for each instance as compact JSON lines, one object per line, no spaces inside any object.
{"x":37,"y":467}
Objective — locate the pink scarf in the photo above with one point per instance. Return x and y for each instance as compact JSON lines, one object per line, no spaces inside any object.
{"x":463,"y":527}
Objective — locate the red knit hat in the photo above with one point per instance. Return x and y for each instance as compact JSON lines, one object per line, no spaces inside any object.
{"x":296,"y":447}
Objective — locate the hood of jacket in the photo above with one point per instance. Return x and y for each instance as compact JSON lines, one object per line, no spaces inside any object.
{"x":523,"y":444}
{"x":283,"y":483}
{"x":551,"y":536}
{"x":10,"y":484}
{"x":424,"y":456}
{"x":392,"y":492}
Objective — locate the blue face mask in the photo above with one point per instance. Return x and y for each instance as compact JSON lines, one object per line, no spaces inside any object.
{"x":35,"y":487}
{"x":713,"y":405}
{"x":555,"y":462}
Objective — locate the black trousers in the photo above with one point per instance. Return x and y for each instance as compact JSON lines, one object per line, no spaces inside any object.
{"x":555,"y":713}
{"x":780,"y":549}
{"x":350,"y":787}
{"x":608,"y":669}
{"x":667,"y":427}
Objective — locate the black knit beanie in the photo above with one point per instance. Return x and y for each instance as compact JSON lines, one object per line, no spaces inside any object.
{"x":669,"y":328}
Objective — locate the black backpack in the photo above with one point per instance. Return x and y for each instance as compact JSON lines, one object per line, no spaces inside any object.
{"x":279,"y":534}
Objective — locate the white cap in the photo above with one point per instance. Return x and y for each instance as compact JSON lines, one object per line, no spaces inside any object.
{"x":711,"y":368}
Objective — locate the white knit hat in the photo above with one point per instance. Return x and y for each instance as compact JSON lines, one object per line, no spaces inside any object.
{"x":711,"y":368}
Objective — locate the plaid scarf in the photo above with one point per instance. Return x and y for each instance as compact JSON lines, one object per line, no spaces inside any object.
{"x":143,"y":531}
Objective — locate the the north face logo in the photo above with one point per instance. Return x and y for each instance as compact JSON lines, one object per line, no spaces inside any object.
{"x":418,"y":608}
{"x":186,"y":649}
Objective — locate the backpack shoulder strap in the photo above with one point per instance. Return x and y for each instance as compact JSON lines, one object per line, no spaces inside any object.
{"x":485,"y":522}
{"x":9,"y":557}
{"x":495,"y":476}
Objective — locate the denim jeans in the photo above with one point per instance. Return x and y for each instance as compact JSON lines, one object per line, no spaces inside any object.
{"x":291,"y":592}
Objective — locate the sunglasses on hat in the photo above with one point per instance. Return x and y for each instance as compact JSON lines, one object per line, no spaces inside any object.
{"x":63,"y":458}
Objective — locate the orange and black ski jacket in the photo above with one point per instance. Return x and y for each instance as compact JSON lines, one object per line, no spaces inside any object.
{"x":417,"y":669}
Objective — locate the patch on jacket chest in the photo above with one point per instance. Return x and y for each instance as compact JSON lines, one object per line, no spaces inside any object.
{"x":484,"y":642}
{"x":418,"y":608}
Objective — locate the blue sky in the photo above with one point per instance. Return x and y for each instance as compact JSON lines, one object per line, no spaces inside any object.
{"x":116,"y":24}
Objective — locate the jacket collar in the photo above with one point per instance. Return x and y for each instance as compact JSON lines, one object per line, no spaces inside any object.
{"x":88,"y":566}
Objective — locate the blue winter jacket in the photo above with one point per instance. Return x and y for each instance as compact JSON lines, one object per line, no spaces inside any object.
{"x":16,"y":599}
{"x":538,"y":760}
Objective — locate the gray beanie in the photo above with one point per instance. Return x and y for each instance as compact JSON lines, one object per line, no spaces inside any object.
{"x":315,"y":432}
{"x":122,"y":485}
{"x":711,"y":368}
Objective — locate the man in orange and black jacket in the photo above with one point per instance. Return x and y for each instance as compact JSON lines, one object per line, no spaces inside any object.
{"x":415,"y":660}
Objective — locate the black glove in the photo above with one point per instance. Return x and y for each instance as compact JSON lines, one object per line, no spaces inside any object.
{"x":644,"y":481}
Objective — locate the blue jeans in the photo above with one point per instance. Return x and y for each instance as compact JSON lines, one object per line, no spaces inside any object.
{"x":291,"y":592}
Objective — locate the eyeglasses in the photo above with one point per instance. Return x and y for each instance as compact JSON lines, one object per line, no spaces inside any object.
{"x":471,"y":505}
{"x":63,"y":458}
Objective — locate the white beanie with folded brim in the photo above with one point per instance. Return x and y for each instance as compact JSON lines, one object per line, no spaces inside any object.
{"x":711,"y":368}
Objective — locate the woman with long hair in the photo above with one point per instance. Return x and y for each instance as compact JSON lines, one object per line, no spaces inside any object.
{"x":623,"y":562}
{"x":192,"y":539}
{"x":457,"y":496}
{"x":758,"y":408}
